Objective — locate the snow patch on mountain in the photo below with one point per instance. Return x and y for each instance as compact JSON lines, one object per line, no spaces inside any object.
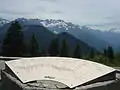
{"x":3,"y":21}
{"x":114,"y":30}
{"x":51,"y":23}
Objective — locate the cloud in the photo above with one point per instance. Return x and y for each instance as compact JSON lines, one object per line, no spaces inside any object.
{"x":49,"y":0}
{"x":41,"y":9}
{"x":109,"y":18}
{"x":14,"y":12}
{"x":105,"y":24}
{"x":57,"y":12}
{"x":99,"y":13}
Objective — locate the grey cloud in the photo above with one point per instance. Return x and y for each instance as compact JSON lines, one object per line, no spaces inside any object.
{"x":47,"y":10}
{"x":109,"y":18}
{"x":41,"y":8}
{"x":13,"y":12}
{"x":112,"y":18}
{"x":57,"y":12}
{"x":108,"y":21}
{"x":110,"y":24}
{"x":49,"y":0}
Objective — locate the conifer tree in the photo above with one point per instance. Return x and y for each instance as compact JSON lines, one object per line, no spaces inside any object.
{"x":77,"y":53}
{"x":110,"y":53}
{"x":64,"y":49}
{"x":13,"y":43}
{"x":91,"y":54}
{"x":105,"y":52}
{"x":34,"y":50}
{"x":54,"y":47}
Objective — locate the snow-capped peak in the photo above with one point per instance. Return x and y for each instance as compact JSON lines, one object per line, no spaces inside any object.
{"x":3,"y":21}
{"x":21,"y":19}
{"x":114,"y":30}
{"x":49,"y":23}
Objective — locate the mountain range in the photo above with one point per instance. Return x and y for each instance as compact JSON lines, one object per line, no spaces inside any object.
{"x":48,"y":29}
{"x":95,"y":38}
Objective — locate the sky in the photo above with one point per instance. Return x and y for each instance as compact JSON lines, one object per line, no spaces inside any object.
{"x":100,"y":14}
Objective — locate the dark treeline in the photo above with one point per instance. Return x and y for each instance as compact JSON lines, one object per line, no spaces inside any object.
{"x":14,"y":46}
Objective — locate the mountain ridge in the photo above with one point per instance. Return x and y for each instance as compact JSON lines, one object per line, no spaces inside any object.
{"x":44,"y":35}
{"x":95,"y":38}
